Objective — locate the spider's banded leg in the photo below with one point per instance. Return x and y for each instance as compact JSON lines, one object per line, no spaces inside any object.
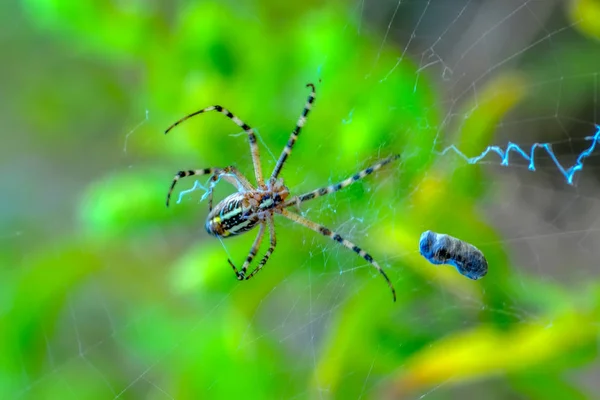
{"x":269,"y":251}
{"x":251,"y":136}
{"x":349,"y":245}
{"x":297,"y":200}
{"x":236,"y":180}
{"x":294,"y":136}
{"x":183,"y":174}
{"x":216,"y":172}
{"x":241,"y":274}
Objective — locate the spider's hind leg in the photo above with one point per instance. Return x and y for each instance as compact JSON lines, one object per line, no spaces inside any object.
{"x":229,"y":174}
{"x":184,"y":174}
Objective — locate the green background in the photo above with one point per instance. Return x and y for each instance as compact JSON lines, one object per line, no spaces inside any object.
{"x":106,"y":293}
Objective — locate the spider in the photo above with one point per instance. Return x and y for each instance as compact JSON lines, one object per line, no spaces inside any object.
{"x":251,"y":206}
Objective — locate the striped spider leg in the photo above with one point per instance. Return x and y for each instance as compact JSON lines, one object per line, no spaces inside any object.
{"x":241,"y":275}
{"x":297,"y":200}
{"x":230,"y":174}
{"x":287,"y":150}
{"x":251,"y":136}
{"x":249,"y":206}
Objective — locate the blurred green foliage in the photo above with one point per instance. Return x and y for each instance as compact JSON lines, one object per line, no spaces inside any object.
{"x":180,"y":325}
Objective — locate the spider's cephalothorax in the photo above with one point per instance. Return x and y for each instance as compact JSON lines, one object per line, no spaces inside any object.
{"x":255,"y":206}
{"x":240,"y":212}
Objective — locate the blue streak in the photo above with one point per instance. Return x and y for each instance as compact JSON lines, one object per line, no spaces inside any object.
{"x":504,"y":155}
{"x":207,"y":191}
{"x":197,"y":185}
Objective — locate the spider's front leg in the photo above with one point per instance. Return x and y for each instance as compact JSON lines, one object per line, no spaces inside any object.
{"x":336,"y":237}
{"x":297,"y":200}
{"x":241,"y":274}
{"x":287,"y":150}
{"x":251,"y":136}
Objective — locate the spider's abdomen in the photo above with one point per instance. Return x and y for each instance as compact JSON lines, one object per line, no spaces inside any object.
{"x":232,"y":216}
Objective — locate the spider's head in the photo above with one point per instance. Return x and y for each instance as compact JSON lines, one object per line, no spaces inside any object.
{"x":284,"y":193}
{"x":280,"y":189}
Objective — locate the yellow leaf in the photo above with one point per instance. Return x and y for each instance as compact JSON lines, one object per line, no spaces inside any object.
{"x":486,"y":351}
{"x":586,"y":16}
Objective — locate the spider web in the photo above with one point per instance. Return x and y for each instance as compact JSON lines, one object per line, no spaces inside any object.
{"x":547,"y":226}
